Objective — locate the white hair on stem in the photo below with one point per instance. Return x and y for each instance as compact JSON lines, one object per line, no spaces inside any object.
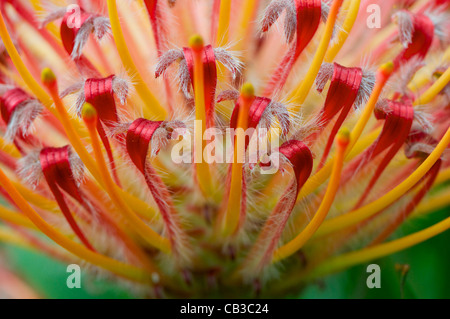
{"x":29,"y":169}
{"x":121,"y":87}
{"x":184,"y":79}
{"x":228,"y":95}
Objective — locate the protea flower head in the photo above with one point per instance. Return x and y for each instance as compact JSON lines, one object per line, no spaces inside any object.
{"x":190,"y":149}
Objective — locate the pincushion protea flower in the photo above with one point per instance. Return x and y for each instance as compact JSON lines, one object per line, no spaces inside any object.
{"x":95,"y":95}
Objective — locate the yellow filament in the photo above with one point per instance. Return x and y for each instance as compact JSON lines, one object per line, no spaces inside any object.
{"x":34,"y":86}
{"x":369,"y":210}
{"x":35,"y":199}
{"x":231,"y":221}
{"x":248,"y":13}
{"x":15,"y":218}
{"x":321,"y":176}
{"x":79,"y":250}
{"x":384,"y":34}
{"x":443,"y":176}
{"x":353,"y":9}
{"x":154,"y":108}
{"x":299,"y":241}
{"x":224,"y":22}
{"x":375,"y":252}
{"x":423,"y":76}
{"x":435,"y":89}
{"x":8,"y":148}
{"x":299,"y":94}
{"x":111,"y":188}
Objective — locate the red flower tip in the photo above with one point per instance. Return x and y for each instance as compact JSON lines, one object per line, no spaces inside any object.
{"x":302,"y":18}
{"x":416,"y":32}
{"x":141,"y":133}
{"x":186,"y":71}
{"x":300,"y":157}
{"x":262,"y":111}
{"x":100,"y":94}
{"x":349,"y":86}
{"x":398,"y":118}
{"x":210,"y":77}
{"x":138,"y":138}
{"x":57,"y":166}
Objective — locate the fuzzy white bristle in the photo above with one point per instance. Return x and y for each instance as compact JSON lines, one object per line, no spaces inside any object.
{"x":440,"y":17}
{"x":365,"y":88}
{"x":228,"y":95}
{"x":166,"y":60}
{"x":121,"y":88}
{"x":54,"y":14}
{"x":290,"y":20}
{"x":276,"y":111}
{"x":230,"y":59}
{"x":21,"y":121}
{"x":274,"y":10}
{"x":184,"y":79}
{"x":423,"y":119}
{"x":29,"y":169}
{"x":95,"y":24}
{"x":324,"y":75}
{"x":118,"y":129}
{"x":102,"y":27}
{"x":405,"y":26}
{"x":77,"y":167}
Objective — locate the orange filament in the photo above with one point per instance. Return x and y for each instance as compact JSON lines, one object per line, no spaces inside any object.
{"x":116,"y":267}
{"x":153,"y":238}
{"x":342,"y":141}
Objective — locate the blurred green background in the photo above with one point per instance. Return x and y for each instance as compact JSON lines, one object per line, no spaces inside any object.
{"x":428,"y":277}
